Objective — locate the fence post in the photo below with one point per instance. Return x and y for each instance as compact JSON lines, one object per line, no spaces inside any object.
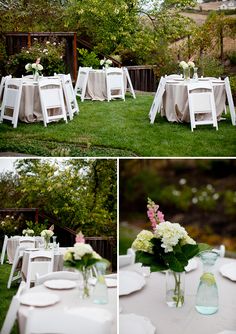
{"x":75,"y":56}
{"x":29,"y":40}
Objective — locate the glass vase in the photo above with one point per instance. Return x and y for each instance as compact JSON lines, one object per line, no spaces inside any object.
{"x":85,"y":287}
{"x":36,"y":76}
{"x":207,"y":293}
{"x":195,"y":75}
{"x":186,"y":73}
{"x":47,"y":243}
{"x":175,"y":288}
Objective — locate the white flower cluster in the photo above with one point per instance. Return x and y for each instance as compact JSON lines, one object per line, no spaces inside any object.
{"x":171,"y":234}
{"x":142,"y":242}
{"x":46,"y":233}
{"x":79,"y":250}
{"x":185,"y":65}
{"x":106,"y":62}
{"x":28,"y":232}
{"x":33,"y":67}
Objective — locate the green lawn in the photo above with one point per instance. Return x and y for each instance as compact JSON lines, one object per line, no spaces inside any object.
{"x":119,"y":129}
{"x":6,"y":294}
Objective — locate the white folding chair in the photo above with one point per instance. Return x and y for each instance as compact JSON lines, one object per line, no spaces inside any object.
{"x":70,"y":97}
{"x":70,"y":275}
{"x":115,"y":83}
{"x":157,"y":102}
{"x":27,"y":242}
{"x":11,"y":101}
{"x":174,"y":76}
{"x":230,"y":100}
{"x":4,"y":248}
{"x":16,"y":266}
{"x":81,"y":82}
{"x":2,"y":86}
{"x":129,"y":82}
{"x":90,"y":319}
{"x":52,"y":101}
{"x":127,"y":259}
{"x":201,"y":103}
{"x":12,"y":311}
{"x":40,"y":262}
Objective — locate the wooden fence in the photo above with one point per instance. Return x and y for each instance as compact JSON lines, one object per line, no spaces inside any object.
{"x":143,"y":78}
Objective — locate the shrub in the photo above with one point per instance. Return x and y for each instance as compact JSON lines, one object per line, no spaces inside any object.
{"x":88,"y":59}
{"x":232,"y":57}
{"x":51,"y":54}
{"x":211,"y":67}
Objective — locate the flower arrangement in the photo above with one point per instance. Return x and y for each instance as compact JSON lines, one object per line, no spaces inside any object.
{"x":82,"y":257}
{"x":105,"y":62}
{"x":28,"y":232}
{"x":167,"y":247}
{"x":47,"y":234}
{"x":186,"y":67}
{"x":35,"y":68}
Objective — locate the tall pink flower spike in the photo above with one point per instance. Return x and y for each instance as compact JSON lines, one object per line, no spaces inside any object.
{"x":80,"y":238}
{"x":155,"y":216}
{"x":51,"y":228}
{"x":37,"y":61}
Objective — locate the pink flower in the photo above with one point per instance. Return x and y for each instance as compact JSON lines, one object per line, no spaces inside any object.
{"x":37,"y":61}
{"x":51,"y":228}
{"x":160,"y":216}
{"x":80,"y":238}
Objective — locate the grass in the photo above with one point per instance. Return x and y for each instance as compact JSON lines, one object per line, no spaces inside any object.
{"x":119,"y":129}
{"x":6,"y":294}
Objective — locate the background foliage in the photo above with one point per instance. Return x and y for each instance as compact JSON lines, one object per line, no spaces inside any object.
{"x":80,"y":194}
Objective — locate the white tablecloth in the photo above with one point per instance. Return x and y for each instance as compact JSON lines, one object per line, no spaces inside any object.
{"x":70,"y":299}
{"x":13,"y":243}
{"x":150,"y":302}
{"x":175,"y":100}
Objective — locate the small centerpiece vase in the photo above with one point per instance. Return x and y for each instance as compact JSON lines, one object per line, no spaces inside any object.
{"x":85,"y":284}
{"x":175,"y":288}
{"x":186,"y":72}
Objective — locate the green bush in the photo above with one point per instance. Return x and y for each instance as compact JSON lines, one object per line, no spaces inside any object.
{"x":211,"y":67}
{"x":88,"y":59}
{"x":232,"y":57}
{"x":51,"y":55}
{"x":36,"y":227}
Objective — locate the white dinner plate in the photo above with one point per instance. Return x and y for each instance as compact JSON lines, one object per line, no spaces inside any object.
{"x":39,"y":299}
{"x":60,"y":284}
{"x":132,"y":323}
{"x":229,"y":270}
{"x":110,"y":282}
{"x":31,"y":249}
{"x":192,"y":264}
{"x":130,"y":281}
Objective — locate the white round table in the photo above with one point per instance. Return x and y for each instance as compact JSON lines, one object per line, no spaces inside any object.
{"x":175,"y":99}
{"x":150,"y":302}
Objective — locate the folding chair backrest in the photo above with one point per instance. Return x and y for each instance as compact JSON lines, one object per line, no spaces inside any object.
{"x":157,"y":102}
{"x":70,"y":97}
{"x":115,"y":83}
{"x":129,"y":82}
{"x":27,"y":242}
{"x":230,"y":100}
{"x":69,"y":275}
{"x":11,"y":100}
{"x":201,"y":102}
{"x":51,"y":97}
{"x":81,"y":82}
{"x":2,"y":85}
{"x":15,"y":268}
{"x":4,"y":247}
{"x":40,"y":262}
{"x":12,"y":311}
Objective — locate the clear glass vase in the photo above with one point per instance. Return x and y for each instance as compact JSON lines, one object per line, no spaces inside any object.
{"x":195,"y":75}
{"x":36,"y":76}
{"x":186,"y":73}
{"x":207,"y":293}
{"x":175,"y":288}
{"x":85,"y":286}
{"x":100,"y":293}
{"x":47,"y":243}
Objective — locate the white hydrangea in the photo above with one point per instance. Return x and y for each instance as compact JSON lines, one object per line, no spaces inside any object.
{"x":183,"y":64}
{"x":191,"y":64}
{"x":142,"y":242}
{"x":170,"y":234}
{"x":80,"y":249}
{"x":46,"y":233}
